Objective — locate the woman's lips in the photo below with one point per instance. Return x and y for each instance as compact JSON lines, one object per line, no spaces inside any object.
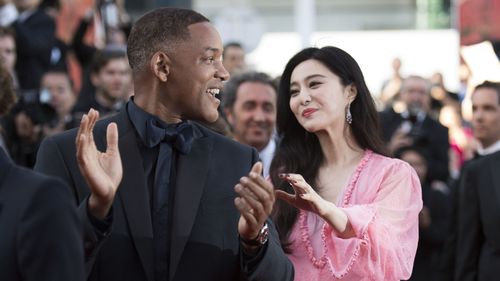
{"x":308,"y":112}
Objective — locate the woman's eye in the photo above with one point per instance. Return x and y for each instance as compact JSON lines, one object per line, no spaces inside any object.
{"x":294,"y":92}
{"x":314,"y":84}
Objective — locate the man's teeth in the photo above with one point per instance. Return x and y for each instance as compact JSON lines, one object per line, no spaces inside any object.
{"x":213,"y":92}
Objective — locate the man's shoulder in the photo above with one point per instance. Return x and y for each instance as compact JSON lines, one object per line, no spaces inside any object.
{"x":99,"y":128}
{"x":31,"y":181}
{"x":479,"y":163}
{"x":218,"y":138}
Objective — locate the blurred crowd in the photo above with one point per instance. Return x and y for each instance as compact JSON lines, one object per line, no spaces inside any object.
{"x":422,"y":120}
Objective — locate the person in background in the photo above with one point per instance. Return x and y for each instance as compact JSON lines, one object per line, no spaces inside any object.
{"x":57,"y":89}
{"x":8,"y":52}
{"x":250,"y":108}
{"x":414,"y":126}
{"x":478,"y":248}
{"x":433,"y":219}
{"x":392,"y":86}
{"x":110,"y":75}
{"x":233,"y":58}
{"x":485,"y":126}
{"x":35,"y":39}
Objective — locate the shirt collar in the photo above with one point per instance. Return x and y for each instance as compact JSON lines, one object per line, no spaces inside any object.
{"x":23,"y":16}
{"x":420,"y":116}
{"x":266,"y":155}
{"x":139,"y":118}
{"x":490,"y":149}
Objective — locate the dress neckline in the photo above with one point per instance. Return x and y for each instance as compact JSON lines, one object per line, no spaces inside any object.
{"x":345,"y":196}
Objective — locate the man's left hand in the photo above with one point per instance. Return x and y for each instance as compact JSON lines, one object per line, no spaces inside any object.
{"x":255,"y":202}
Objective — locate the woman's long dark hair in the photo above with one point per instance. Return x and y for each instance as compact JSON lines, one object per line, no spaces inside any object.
{"x":299,"y":151}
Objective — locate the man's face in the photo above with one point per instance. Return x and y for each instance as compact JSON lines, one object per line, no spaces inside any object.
{"x":253,"y":115}
{"x":234,"y":59}
{"x":8,"y":52}
{"x":113,"y":79}
{"x":62,"y":98}
{"x":414,"y":94}
{"x":486,"y":116}
{"x":417,"y":162}
{"x":196,"y":75}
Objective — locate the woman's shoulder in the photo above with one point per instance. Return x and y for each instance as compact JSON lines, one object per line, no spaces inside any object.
{"x":379,"y":162}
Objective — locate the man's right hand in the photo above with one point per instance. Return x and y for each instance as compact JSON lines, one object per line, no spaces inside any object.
{"x":102,"y":170}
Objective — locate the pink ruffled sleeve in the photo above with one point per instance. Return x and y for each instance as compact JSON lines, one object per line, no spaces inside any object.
{"x":385,"y":221}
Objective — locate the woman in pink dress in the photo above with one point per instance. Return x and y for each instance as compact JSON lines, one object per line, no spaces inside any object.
{"x":346,"y":211}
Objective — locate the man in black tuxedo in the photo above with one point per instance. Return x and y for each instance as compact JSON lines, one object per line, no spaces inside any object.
{"x":40,"y":230}
{"x":179,"y":212}
{"x":478,"y":227}
{"x":413,"y":126}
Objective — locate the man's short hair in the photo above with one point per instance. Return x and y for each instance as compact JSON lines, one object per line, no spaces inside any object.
{"x":59,"y":71}
{"x":159,"y":29}
{"x":231,"y":88}
{"x":489,"y":85}
{"x":416,"y":77}
{"x":102,"y":57}
{"x":232,"y":44}
{"x":7,"y":32}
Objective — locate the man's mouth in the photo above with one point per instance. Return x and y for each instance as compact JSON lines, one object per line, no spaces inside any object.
{"x":213,"y":92}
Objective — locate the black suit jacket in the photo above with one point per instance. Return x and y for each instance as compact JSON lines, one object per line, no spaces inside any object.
{"x":478,"y":250}
{"x":40,"y":230}
{"x":204,"y":236}
{"x":35,"y":38}
{"x":433,"y":137}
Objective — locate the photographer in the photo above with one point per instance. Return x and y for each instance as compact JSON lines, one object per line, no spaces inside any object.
{"x":57,"y":93}
{"x":24,"y":127}
{"x":413,"y":126}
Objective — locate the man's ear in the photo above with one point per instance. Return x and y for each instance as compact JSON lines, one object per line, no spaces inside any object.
{"x":94,"y":79}
{"x":160,"y":66}
{"x":229,"y":115}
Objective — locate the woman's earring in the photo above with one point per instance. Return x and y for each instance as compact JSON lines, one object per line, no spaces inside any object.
{"x":348,"y":116}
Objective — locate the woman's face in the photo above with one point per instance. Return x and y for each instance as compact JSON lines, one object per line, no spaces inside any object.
{"x":317,"y":97}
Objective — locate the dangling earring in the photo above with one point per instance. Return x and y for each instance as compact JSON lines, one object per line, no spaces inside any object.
{"x":348,"y":116}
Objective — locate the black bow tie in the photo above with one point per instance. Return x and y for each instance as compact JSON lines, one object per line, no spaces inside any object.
{"x":180,"y":135}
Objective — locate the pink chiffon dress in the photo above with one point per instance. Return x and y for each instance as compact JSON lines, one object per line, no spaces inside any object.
{"x":382,"y":201}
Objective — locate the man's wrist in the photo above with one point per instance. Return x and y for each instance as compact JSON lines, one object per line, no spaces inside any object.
{"x":259,"y":239}
{"x":97,"y":208}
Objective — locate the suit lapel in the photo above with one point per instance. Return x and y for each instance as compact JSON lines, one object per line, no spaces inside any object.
{"x":192,"y":171}
{"x":132,"y":194}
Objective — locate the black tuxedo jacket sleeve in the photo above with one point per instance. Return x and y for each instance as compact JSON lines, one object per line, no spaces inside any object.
{"x":204,"y":243}
{"x":478,"y":250}
{"x":40,"y":230}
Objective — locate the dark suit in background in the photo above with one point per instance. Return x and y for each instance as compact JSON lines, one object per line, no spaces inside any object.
{"x":428,"y":135}
{"x":40,"y":230}
{"x":204,"y":234}
{"x":432,"y":238}
{"x":35,"y":38}
{"x":478,"y":250}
